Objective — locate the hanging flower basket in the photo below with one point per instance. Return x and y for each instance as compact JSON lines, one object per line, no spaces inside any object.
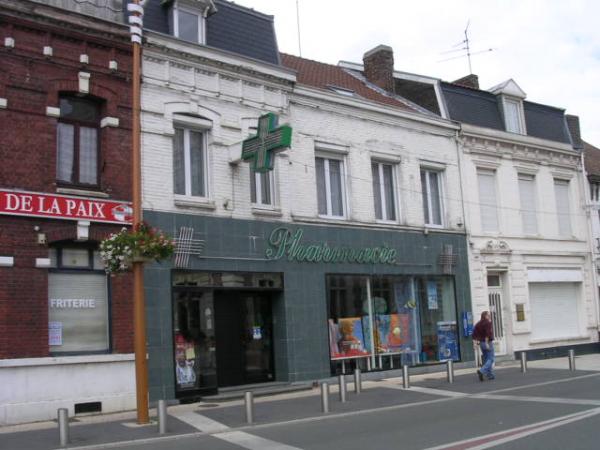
{"x":140,"y":244}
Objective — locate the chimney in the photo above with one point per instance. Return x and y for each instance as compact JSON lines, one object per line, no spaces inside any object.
{"x":574,"y":130}
{"x":470,"y":81}
{"x":379,"y":67}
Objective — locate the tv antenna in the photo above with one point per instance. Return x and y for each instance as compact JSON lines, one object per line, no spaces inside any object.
{"x":465,"y":46}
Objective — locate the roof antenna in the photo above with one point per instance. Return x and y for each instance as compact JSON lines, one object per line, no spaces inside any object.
{"x":298,"y":23}
{"x":463,"y":45}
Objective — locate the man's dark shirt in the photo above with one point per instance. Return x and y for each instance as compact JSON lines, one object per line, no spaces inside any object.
{"x":483,"y":329}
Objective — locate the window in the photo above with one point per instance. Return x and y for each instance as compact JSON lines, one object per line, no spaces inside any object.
{"x":262,"y":187}
{"x":561,"y":192}
{"x":189,"y":163}
{"x":432,"y":196}
{"x":330,"y":186}
{"x":384,"y":191}
{"x":594,"y":191}
{"x":188,"y":24}
{"x":413,"y":317}
{"x":512,"y":116}
{"x":78,"y":303}
{"x":528,"y":203}
{"x":77,"y":142}
{"x":488,"y":206}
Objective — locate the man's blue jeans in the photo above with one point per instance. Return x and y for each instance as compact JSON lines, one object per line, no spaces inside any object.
{"x":488,"y":357}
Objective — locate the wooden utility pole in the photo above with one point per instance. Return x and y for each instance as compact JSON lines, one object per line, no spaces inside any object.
{"x":139,"y":309}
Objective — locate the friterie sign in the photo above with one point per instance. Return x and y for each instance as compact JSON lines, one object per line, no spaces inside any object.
{"x":51,"y":206}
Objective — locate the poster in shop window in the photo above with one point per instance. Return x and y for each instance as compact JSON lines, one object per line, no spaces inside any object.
{"x":432,"y":297}
{"x":346,"y":338}
{"x":391,"y":332}
{"x":185,"y":362}
{"x":55,"y":333}
{"x":447,"y":341}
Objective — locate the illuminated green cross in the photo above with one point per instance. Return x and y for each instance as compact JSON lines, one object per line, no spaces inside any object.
{"x":270,"y":138}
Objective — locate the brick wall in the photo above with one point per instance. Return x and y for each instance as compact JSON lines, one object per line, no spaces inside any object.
{"x":31,"y":82}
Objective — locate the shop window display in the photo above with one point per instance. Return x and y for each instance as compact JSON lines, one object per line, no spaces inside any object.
{"x":412,"y":319}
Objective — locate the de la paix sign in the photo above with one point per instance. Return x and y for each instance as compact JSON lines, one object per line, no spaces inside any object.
{"x":54,"y":206}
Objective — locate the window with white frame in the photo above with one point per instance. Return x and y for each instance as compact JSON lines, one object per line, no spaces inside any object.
{"x":594,"y":191}
{"x":190,"y":172}
{"x":528,"y":203}
{"x":331,"y":193}
{"x":384,"y":191}
{"x":513,"y":117}
{"x":488,"y":205}
{"x":561,"y":192}
{"x":431,"y":186}
{"x":188,"y":23}
{"x":262,"y":188}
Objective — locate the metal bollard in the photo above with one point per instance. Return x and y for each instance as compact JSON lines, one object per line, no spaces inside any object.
{"x":405,"y":377}
{"x":249,"y":405}
{"x":450,"y":371}
{"x":161,"y":410}
{"x":324,"y":397}
{"x":357,"y":381}
{"x":571,"y":359}
{"x":342,"y":383}
{"x":63,"y":426}
{"x":523,"y":362}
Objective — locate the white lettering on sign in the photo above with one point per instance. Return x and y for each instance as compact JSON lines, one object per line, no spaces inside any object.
{"x":72,"y":303}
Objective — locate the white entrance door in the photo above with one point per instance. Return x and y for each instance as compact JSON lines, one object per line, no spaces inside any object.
{"x":494,"y":282}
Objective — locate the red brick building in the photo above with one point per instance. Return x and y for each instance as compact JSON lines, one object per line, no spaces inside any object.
{"x":65,"y":122}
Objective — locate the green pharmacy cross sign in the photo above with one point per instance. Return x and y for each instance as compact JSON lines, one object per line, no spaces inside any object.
{"x":269,"y":139}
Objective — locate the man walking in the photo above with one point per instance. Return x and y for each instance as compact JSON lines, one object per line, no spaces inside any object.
{"x":483,"y":335}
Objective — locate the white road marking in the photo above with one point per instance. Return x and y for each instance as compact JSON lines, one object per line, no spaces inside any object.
{"x":431,"y":391}
{"x":252,"y":442}
{"x":512,"y":434}
{"x":520,"y":398}
{"x":199,"y":422}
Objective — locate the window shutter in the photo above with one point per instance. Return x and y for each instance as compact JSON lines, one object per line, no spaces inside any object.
{"x":561,"y":191}
{"x":528,"y":206}
{"x":487,"y":200}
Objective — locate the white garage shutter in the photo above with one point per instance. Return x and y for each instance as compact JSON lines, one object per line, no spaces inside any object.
{"x":554,"y":310}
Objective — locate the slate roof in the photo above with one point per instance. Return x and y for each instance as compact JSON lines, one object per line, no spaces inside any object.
{"x":233,"y":28}
{"x":326,"y":76}
{"x":482,"y":108}
{"x":592,"y":160}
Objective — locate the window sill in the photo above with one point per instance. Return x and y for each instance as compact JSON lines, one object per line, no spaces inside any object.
{"x":82,"y":192}
{"x":59,"y":360}
{"x":188,"y":202}
{"x":264,"y":211}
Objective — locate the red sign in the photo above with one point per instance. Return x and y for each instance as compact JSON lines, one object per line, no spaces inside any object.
{"x":52,"y":206}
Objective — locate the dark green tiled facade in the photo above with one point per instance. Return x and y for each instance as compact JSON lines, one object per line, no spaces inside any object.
{"x":300,"y":312}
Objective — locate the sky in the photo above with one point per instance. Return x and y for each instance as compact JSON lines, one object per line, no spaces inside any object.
{"x":550,"y":48}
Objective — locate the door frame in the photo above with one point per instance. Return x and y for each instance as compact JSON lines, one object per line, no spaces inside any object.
{"x":502,"y":345}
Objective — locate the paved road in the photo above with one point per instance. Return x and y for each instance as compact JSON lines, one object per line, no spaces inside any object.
{"x":543,"y":409}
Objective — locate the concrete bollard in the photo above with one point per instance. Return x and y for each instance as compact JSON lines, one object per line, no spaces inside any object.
{"x":249,"y":406}
{"x":572,"y":360}
{"x":324,"y":397}
{"x":161,"y":412}
{"x":450,"y":371}
{"x":357,"y":381}
{"x":342,"y":383}
{"x":523,"y":362}
{"x":63,"y":426}
{"x":405,"y":377}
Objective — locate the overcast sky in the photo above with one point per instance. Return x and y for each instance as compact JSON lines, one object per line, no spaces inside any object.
{"x":550,"y":48}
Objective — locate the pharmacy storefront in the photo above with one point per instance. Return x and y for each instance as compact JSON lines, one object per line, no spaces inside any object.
{"x":288,"y":302}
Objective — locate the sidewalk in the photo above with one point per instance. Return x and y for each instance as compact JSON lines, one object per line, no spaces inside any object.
{"x":204,"y":418}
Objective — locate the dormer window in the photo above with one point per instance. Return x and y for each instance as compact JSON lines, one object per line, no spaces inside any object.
{"x":188,"y":19}
{"x":510,"y":99}
{"x":513,"y":116}
{"x":342,"y":91}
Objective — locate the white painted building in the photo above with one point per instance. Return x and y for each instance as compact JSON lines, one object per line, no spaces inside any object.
{"x":524,"y":191}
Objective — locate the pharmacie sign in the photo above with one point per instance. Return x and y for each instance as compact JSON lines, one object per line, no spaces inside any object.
{"x":52,"y":206}
{"x":285,"y":243}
